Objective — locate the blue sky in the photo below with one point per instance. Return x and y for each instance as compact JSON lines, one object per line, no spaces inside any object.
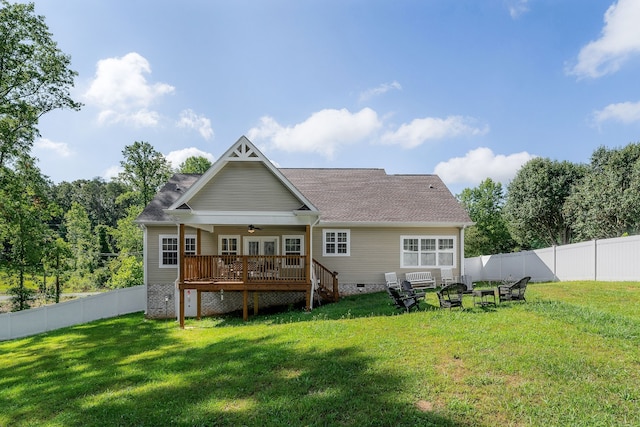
{"x":467,"y":89}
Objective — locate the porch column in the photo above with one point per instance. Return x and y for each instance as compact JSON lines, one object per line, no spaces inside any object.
{"x":181,"y":252}
{"x":307,"y":267}
{"x":307,"y":252}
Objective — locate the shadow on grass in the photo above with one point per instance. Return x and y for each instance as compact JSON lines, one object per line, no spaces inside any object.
{"x":128,"y":371}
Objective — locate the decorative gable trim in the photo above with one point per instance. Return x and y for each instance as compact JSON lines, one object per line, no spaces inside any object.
{"x":243,"y":151}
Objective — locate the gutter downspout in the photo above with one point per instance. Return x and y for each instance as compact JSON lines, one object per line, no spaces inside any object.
{"x":313,"y":278}
{"x":145,"y":267}
{"x":462,"y":275}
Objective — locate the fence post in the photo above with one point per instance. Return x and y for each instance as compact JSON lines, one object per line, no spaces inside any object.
{"x":595,"y":259}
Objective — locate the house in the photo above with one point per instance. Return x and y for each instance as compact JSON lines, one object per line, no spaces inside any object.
{"x":248,"y":234}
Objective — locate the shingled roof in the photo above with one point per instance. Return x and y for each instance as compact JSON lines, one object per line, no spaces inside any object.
{"x":372,"y":196}
{"x":168,"y":194}
{"x":348,"y":196}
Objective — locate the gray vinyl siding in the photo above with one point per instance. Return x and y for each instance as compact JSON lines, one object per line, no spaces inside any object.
{"x":245,"y":186}
{"x":375,"y":251}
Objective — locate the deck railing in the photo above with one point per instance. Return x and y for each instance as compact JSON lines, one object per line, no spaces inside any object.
{"x":247,"y":269}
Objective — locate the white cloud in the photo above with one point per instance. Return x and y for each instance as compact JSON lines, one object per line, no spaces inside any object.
{"x":179,"y":156}
{"x":480,"y":164}
{"x":619,"y":40}
{"x":376,"y":91}
{"x":122,"y":92}
{"x":60,"y":148}
{"x":112,"y":172}
{"x":323,"y":132}
{"x":518,"y":8}
{"x":421,"y":130}
{"x":189,"y":119}
{"x":625,"y":112}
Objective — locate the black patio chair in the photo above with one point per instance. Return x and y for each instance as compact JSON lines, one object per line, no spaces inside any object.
{"x":450,"y":296}
{"x":407,"y":288}
{"x":401,"y":301}
{"x":513,"y":291}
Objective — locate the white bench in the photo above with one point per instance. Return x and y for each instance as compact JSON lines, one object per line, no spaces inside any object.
{"x":420,"y":279}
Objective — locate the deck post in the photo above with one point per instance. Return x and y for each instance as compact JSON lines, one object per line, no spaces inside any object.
{"x":198,"y":300}
{"x":181,"y":296}
{"x":245,"y":305}
{"x":255,"y":302}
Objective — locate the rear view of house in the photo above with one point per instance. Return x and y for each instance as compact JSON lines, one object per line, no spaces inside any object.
{"x":247,"y":234}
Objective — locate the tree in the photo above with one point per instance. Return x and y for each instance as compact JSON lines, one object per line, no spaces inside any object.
{"x":35,"y":78}
{"x":24,"y":231}
{"x":126,"y":271}
{"x":127,"y":234}
{"x":606,"y":203}
{"x":83,"y":244}
{"x":101,"y":199}
{"x":56,"y":259}
{"x":145,"y":170}
{"x":490,"y":234}
{"x":535,"y":200}
{"x":194,"y":164}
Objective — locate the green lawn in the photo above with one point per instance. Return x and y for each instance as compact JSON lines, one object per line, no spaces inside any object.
{"x":568,"y":357}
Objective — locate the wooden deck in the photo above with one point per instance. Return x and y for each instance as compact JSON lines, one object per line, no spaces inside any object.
{"x":251,"y":274}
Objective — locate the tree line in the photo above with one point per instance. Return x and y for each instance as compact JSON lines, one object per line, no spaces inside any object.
{"x":553,"y":202}
{"x":78,"y":234}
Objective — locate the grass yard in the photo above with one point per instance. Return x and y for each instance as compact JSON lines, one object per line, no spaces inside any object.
{"x":568,"y":357}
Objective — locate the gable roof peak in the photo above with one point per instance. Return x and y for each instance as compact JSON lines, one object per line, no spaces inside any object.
{"x":242,"y":150}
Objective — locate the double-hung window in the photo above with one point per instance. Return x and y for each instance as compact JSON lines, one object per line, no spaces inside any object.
{"x":169,"y":249}
{"x":293,"y":245}
{"x":336,"y":243}
{"x":427,"y":251}
{"x":228,"y":245}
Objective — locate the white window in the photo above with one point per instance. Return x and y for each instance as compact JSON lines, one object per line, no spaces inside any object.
{"x":190,"y":245}
{"x":293,"y":245}
{"x":169,"y":249}
{"x":427,"y":251}
{"x":228,"y":245}
{"x":336,"y":243}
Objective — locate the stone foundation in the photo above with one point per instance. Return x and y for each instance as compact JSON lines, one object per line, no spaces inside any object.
{"x":161,"y":301}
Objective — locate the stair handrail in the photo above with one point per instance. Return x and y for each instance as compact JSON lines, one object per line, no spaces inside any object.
{"x":334,"y":279}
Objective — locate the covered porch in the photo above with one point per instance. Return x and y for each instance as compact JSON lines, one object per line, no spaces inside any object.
{"x":252,"y":275}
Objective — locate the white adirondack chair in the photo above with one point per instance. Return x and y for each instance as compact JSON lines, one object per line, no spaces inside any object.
{"x":446,"y":276}
{"x":392,"y":280}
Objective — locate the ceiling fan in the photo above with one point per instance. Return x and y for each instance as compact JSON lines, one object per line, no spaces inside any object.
{"x":252,"y":228}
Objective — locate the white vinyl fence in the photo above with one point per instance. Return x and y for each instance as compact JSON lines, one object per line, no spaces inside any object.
{"x":605,"y":260}
{"x":73,"y":312}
